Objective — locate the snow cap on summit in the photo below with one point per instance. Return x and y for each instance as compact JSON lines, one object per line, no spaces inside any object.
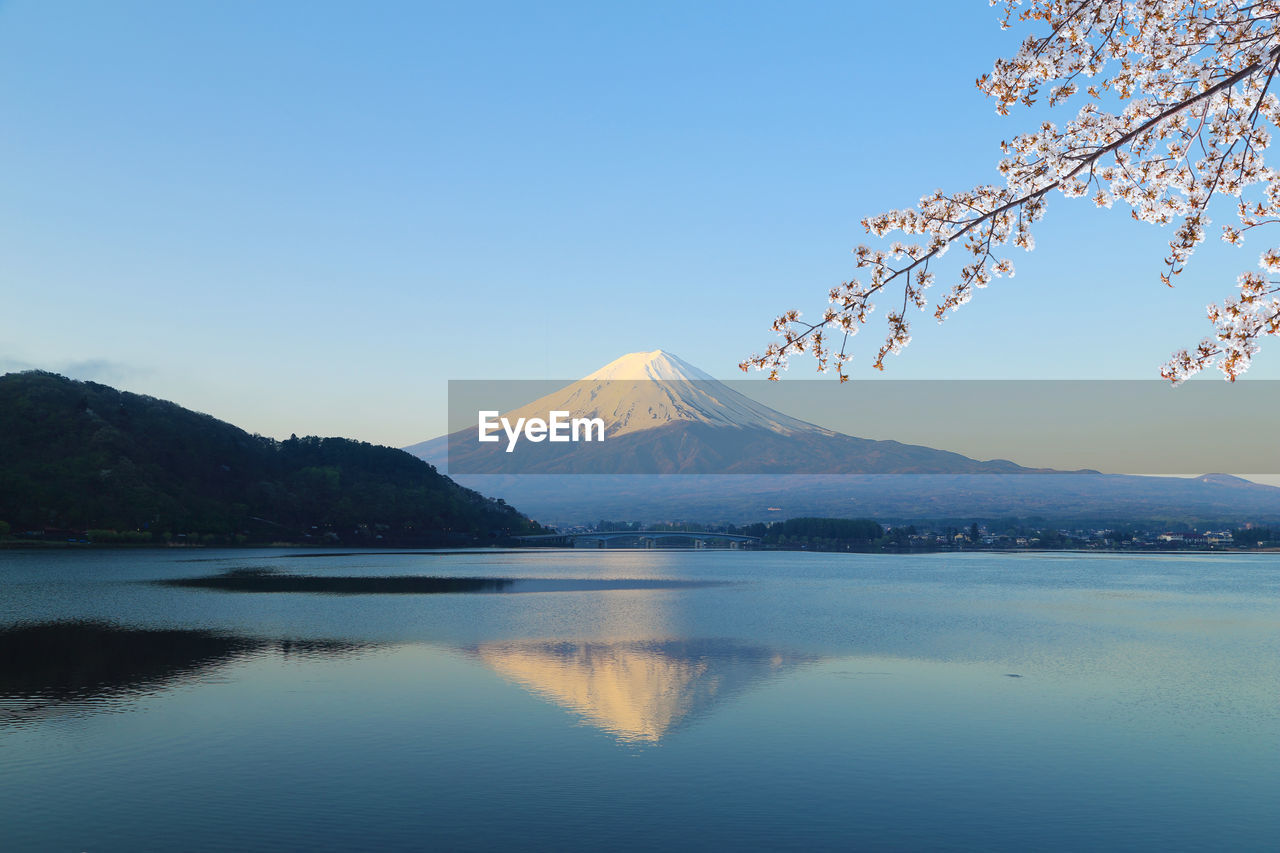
{"x":646,"y":390}
{"x":658,"y":365}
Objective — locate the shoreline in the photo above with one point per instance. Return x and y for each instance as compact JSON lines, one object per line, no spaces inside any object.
{"x":327,"y":551}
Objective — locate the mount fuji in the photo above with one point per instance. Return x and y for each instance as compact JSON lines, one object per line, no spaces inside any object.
{"x":664,"y":416}
{"x":650,"y":390}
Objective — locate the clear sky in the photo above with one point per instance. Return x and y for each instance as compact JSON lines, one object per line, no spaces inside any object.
{"x":306,"y":217}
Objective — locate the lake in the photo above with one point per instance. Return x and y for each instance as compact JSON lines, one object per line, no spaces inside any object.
{"x":587,"y":699}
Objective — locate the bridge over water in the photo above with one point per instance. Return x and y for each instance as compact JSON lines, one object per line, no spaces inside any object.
{"x":647,"y":538}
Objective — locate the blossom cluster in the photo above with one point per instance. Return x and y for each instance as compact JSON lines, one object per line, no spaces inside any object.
{"x":1174,"y":110}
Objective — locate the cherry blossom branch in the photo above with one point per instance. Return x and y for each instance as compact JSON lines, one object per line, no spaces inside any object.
{"x":1168,"y":45}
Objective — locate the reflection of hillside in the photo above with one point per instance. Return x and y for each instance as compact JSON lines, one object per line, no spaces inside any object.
{"x":53,"y":667}
{"x":636,"y":691}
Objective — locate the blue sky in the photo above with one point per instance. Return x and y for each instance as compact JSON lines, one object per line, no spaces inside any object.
{"x":308,"y":217}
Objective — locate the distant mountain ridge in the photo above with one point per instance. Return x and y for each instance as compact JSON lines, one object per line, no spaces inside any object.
{"x":79,"y":455}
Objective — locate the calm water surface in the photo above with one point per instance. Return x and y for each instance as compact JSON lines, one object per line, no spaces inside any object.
{"x":230,"y":700}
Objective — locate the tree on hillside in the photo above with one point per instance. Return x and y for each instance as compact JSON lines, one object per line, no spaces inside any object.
{"x":1173,"y":113}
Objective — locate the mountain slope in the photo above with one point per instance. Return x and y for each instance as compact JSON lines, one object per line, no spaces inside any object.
{"x":79,"y":455}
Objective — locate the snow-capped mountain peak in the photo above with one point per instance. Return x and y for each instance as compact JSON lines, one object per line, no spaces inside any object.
{"x":658,"y":365}
{"x":644,"y":390}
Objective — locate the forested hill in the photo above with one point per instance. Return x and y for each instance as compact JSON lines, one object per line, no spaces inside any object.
{"x":77,"y":456}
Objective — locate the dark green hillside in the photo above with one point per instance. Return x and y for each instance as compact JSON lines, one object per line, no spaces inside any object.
{"x":78,"y":456}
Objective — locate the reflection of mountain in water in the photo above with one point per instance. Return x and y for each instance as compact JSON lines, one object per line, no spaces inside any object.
{"x":637,"y":691}
{"x":57,"y":667}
